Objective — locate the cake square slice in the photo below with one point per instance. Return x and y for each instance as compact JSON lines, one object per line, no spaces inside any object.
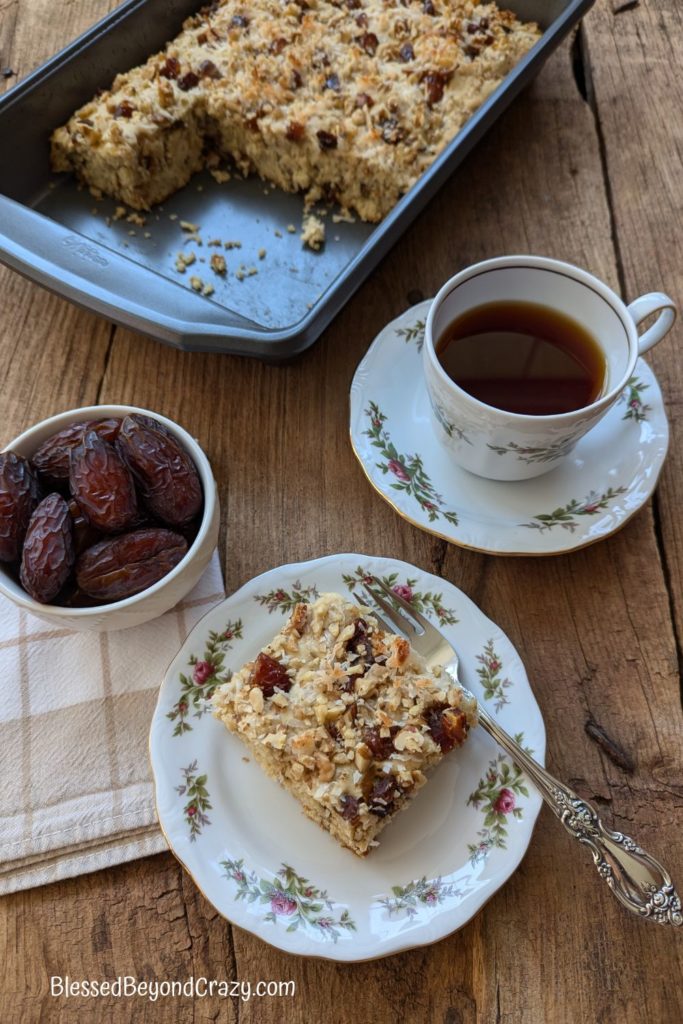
{"x":345,"y":716}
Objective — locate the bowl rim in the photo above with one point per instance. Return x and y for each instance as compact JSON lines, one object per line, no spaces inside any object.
{"x":16,"y":593}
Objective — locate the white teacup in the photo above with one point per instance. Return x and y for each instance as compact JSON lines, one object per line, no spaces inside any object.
{"x":509,"y":446}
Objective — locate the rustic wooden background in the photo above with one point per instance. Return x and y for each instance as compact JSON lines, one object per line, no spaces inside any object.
{"x":585,"y":166}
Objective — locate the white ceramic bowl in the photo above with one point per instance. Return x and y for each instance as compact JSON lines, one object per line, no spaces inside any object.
{"x":164,"y":594}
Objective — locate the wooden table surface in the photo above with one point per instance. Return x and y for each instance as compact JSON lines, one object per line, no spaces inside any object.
{"x":585,"y":166}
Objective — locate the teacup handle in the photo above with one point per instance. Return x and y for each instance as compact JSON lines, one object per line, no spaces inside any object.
{"x":645,"y":306}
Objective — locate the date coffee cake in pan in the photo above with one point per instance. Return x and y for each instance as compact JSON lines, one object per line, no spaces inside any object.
{"x":344,"y":100}
{"x":345,"y":716}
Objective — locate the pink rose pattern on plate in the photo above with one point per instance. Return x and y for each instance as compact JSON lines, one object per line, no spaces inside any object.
{"x":197,"y":803}
{"x":489,"y":672}
{"x":565,"y":515}
{"x":291,"y":899}
{"x":284,"y":600}
{"x":418,"y":895}
{"x":428,"y":602}
{"x":408,"y":470}
{"x":497,"y":795}
{"x":208,"y":672}
{"x":636,"y":409}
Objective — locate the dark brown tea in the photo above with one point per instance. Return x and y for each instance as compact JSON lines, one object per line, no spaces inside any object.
{"x":523,"y":358}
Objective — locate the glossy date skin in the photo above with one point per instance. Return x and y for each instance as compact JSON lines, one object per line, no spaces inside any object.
{"x":102,"y":484}
{"x":19,"y":495}
{"x":123,"y":566}
{"x":166,"y":475}
{"x":52,"y":459}
{"x":48,"y":555}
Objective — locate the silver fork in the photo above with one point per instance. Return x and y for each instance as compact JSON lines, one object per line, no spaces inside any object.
{"x":638,"y":881}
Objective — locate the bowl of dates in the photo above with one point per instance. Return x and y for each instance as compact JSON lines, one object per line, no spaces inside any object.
{"x":108,"y":517}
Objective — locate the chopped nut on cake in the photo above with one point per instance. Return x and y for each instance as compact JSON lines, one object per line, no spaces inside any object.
{"x":345,"y":716}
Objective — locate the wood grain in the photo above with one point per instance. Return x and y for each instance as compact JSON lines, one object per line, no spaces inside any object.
{"x":582,"y":167}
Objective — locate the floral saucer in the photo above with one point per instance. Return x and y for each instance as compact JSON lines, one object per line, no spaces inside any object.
{"x":609,"y":475}
{"x":266,"y":867}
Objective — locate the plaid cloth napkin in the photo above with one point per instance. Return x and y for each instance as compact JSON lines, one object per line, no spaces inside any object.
{"x":76,"y":791}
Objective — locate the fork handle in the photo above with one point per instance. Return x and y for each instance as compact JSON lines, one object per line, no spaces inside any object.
{"x":638,"y":881}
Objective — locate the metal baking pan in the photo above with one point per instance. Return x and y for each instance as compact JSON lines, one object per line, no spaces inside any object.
{"x":55,"y":233}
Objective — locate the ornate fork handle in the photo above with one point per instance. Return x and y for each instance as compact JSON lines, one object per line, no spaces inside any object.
{"x":638,"y":881}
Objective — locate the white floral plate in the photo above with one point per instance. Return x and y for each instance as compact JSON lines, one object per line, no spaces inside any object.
{"x":265,"y":866}
{"x":610,"y":474}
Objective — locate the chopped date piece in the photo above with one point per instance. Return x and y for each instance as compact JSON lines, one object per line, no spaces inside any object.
{"x":391,"y":131}
{"x":296,"y":80}
{"x":123,"y":566}
{"x":364,"y":100}
{"x":170,"y":68}
{"x":167,"y":476}
{"x":102,"y":484}
{"x":407,"y":52}
{"x":359,"y":642}
{"x":48,"y":555}
{"x":349,"y":807}
{"x":295,"y":131}
{"x":429,"y":8}
{"x":383,"y":794}
{"x":277,"y":45}
{"x":382,"y":747}
{"x":207,"y":69}
{"x":52,"y":457}
{"x":447,"y":727}
{"x":368,"y":42}
{"x":332,"y":82}
{"x":269,"y":674}
{"x":239,"y":21}
{"x":188,"y":81}
{"x":124,"y":109}
{"x":362,"y":20}
{"x":347,"y":684}
{"x":19,"y":495}
{"x":353,"y":5}
{"x":434,"y":82}
{"x":326,"y":140}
